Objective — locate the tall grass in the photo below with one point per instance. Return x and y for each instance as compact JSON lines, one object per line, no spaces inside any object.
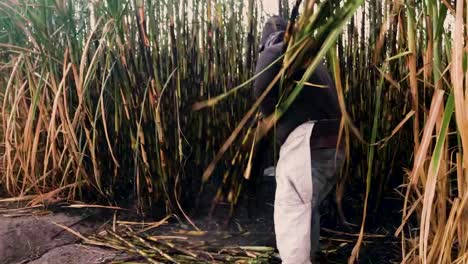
{"x":96,"y":95}
{"x":405,"y":61}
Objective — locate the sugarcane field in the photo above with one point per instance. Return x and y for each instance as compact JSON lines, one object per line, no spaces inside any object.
{"x":234,"y":131}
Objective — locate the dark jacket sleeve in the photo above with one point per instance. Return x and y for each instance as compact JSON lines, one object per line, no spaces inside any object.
{"x":266,"y":58}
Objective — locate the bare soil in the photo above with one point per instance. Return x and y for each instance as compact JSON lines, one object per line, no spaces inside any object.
{"x":36,"y":239}
{"x":30,"y":236}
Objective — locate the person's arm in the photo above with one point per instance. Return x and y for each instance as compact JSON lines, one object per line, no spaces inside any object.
{"x":266,"y":58}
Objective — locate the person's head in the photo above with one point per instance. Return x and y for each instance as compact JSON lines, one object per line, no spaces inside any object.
{"x":273,"y":25}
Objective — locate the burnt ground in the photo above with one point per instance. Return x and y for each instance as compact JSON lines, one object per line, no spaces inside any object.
{"x":30,"y":235}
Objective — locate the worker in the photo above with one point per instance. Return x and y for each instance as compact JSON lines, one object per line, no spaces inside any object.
{"x":309,"y":157}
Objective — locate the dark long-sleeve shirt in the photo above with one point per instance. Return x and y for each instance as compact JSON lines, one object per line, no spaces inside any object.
{"x":312,"y":104}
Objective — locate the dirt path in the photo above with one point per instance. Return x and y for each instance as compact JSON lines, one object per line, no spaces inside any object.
{"x":36,"y":239}
{"x":30,"y":235}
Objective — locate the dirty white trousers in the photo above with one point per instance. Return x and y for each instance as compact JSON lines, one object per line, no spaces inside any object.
{"x":302,"y":182}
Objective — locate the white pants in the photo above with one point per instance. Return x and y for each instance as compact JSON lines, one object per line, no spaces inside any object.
{"x":302,"y":183}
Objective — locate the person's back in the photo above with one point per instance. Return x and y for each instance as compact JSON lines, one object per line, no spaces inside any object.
{"x":317,"y":102}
